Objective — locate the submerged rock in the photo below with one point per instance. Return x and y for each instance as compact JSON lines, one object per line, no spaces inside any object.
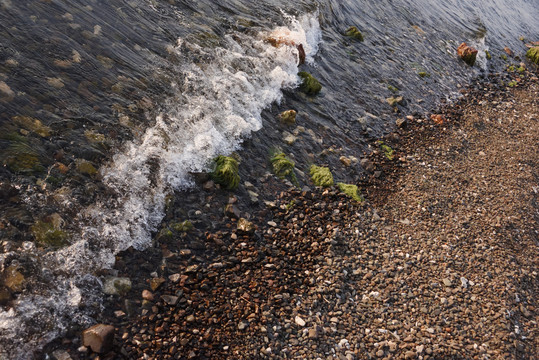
{"x":99,"y":338}
{"x":13,"y":279}
{"x":533,"y":54}
{"x":354,"y":33}
{"x":86,"y":167}
{"x":47,"y":234}
{"x":467,"y":53}
{"x":226,"y":172}
{"x":310,"y":85}
{"x":5,"y":296}
{"x":288,"y":117}
{"x":118,"y":286}
{"x":33,"y":125}
{"x":321,"y":176}
{"x":393,"y":101}
{"x":283,"y":167}
{"x":6,"y":94}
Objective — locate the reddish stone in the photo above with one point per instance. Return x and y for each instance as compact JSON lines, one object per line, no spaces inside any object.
{"x":467,"y":53}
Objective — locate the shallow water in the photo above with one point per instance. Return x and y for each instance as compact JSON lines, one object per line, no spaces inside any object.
{"x":108,"y":107}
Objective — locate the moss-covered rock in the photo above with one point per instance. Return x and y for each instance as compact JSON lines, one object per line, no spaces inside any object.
{"x":487,"y":54}
{"x":32,"y":124}
{"x":226,"y":172}
{"x":389,"y":153}
{"x":309,"y":85}
{"x":288,"y":117}
{"x":165,"y":234}
{"x":351,"y":191}
{"x":321,"y":176}
{"x":86,"y":167}
{"x":533,"y":54}
{"x":46,"y":234}
{"x":183,"y":226}
{"x":354,"y":33}
{"x":283,"y":167}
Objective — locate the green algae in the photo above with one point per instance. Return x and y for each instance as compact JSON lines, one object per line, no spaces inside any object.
{"x":354,"y":33}
{"x":20,"y":157}
{"x":184,"y":226}
{"x":392,"y":88}
{"x":226,"y":172}
{"x":533,"y":54}
{"x":86,"y":167}
{"x":33,"y":125}
{"x":309,"y":85}
{"x":283,"y":167}
{"x":321,"y":176}
{"x":46,"y":234}
{"x":389,"y":153}
{"x":423,"y":74}
{"x":351,"y":191}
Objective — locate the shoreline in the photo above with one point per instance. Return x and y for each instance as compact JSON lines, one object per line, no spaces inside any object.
{"x":262,"y":280}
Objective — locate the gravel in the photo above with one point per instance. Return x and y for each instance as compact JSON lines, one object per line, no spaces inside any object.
{"x":440,"y":262}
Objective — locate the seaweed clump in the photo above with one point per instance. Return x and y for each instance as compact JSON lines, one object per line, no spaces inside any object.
{"x":533,"y":54}
{"x":353,"y":32}
{"x":226,"y":171}
{"x":284,"y":167}
{"x":321,"y":176}
{"x":310,"y":85}
{"x":351,"y":191}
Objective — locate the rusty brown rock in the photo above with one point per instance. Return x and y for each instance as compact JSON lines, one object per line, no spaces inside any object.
{"x":467,"y":53}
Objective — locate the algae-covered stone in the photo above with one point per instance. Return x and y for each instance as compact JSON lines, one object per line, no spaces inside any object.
{"x":533,"y":54}
{"x":309,"y":85}
{"x":283,"y":167}
{"x":423,"y":74}
{"x":288,"y":117}
{"x":388,"y":151}
{"x":487,"y":54}
{"x":118,"y":286}
{"x":20,"y":157}
{"x":32,"y":124}
{"x":183,"y":226}
{"x":94,"y":137}
{"x":86,"y":167}
{"x":46,"y":234}
{"x":226,"y":172}
{"x":321,"y":176}
{"x":353,"y":32}
{"x":351,"y":191}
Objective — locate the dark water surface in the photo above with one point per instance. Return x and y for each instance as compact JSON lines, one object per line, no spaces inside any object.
{"x":106,"y":107}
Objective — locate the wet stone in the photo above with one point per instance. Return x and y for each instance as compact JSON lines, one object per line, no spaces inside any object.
{"x":99,"y":338}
